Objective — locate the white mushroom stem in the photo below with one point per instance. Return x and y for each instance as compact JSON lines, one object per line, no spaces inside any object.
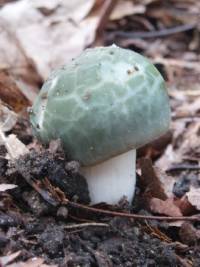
{"x":113,"y":179}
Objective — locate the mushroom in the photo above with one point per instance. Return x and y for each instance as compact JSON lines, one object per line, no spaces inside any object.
{"x":103,"y":105}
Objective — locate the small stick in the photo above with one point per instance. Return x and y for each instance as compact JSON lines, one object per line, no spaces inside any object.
{"x":83,"y":225}
{"x":153,"y":34}
{"x":50,"y":199}
{"x":186,"y":117}
{"x":134,"y":216}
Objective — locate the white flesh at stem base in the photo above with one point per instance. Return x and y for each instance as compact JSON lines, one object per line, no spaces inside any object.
{"x":113,"y":179}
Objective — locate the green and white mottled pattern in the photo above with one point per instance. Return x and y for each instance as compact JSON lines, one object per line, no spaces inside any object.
{"x":105,"y":102}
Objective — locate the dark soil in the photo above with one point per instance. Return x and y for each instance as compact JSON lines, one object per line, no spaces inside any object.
{"x":122,"y":243}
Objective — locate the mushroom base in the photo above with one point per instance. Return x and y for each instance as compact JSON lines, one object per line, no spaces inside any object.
{"x":113,"y":179}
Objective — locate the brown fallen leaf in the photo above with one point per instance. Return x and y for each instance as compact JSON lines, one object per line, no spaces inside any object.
{"x":194,"y":197}
{"x":11,"y":94}
{"x":150,"y":180}
{"x":156,"y":183}
{"x":167,"y":182}
{"x":184,"y":205}
{"x":166,"y":207}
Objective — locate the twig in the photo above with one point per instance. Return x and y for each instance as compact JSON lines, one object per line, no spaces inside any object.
{"x":47,"y":196}
{"x":83,"y":225}
{"x":107,"y":8}
{"x":50,"y":199}
{"x":152,"y":34}
{"x":131,"y":215}
{"x":188,"y":116}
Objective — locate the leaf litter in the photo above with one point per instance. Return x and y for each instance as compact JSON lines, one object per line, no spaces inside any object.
{"x":43,"y":199}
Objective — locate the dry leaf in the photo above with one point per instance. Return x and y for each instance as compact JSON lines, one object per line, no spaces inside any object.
{"x":13,"y":145}
{"x":14,"y":60}
{"x":185,"y":127}
{"x":165,"y":207}
{"x":4,"y":187}
{"x":49,"y":40}
{"x":194,"y":197}
{"x":126,"y":8}
{"x":169,"y":157}
{"x":167,"y":182}
{"x":11,"y":94}
{"x":191,"y":141}
{"x":154,"y":187}
{"x":8,"y":118}
{"x":7,"y":121}
{"x":184,"y":205}
{"x":188,"y":108}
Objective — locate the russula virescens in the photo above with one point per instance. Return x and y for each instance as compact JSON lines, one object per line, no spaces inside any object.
{"x":103,"y":106}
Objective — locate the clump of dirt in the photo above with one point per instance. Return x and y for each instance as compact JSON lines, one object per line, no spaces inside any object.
{"x":38,"y":166}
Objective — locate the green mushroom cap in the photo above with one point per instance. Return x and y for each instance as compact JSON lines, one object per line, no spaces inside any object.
{"x":105,"y":102}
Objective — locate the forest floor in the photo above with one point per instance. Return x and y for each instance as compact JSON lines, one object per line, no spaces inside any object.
{"x":45,"y":217}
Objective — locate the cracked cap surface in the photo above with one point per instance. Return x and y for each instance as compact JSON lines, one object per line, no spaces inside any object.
{"x":105,"y":102}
